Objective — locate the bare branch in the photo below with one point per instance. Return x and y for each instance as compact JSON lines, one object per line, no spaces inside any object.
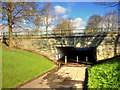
{"x":108,"y":4}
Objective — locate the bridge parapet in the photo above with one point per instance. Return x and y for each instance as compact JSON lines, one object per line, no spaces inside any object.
{"x":106,"y":46}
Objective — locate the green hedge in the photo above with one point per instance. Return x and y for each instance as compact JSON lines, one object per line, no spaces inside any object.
{"x":105,"y":75}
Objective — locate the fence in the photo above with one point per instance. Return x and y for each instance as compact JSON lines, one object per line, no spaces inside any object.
{"x":58,"y":33}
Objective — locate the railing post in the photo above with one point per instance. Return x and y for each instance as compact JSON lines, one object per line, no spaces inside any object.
{"x":86,"y":59}
{"x":77,"y":59}
{"x":59,"y":56}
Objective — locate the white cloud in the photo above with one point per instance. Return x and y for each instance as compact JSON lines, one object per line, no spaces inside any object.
{"x":79,"y":23}
{"x":60,"y":9}
{"x":65,"y":16}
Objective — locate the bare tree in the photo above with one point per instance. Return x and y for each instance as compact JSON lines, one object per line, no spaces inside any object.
{"x":38,"y":22}
{"x":109,"y":21}
{"x":112,"y":4}
{"x":14,"y":13}
{"x":37,"y":19}
{"x":49,"y":15}
{"x":65,"y":27}
{"x":108,"y":4}
{"x":93,"y":23}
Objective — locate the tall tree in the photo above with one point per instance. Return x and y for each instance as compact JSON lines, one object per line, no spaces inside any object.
{"x":109,"y":21}
{"x":112,"y":4}
{"x":65,"y":27}
{"x":49,"y":15}
{"x":38,"y":22}
{"x":14,"y":13}
{"x":37,"y":19}
{"x":93,"y":23}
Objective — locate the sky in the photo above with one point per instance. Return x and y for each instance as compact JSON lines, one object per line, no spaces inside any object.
{"x":80,"y":11}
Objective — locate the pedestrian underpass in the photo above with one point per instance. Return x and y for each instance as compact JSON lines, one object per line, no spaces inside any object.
{"x":79,"y":55}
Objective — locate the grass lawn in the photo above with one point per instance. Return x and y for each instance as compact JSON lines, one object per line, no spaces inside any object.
{"x":105,"y":75}
{"x":19,"y":66}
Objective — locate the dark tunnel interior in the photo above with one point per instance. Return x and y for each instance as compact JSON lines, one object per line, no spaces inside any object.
{"x":83,"y":54}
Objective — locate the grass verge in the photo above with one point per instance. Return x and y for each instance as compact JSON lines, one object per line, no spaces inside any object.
{"x":19,"y":66}
{"x":105,"y":75}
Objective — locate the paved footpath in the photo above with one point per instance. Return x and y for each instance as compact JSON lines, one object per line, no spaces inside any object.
{"x":65,"y":77}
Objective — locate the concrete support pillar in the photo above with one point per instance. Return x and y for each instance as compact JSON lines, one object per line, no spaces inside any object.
{"x":65,"y":59}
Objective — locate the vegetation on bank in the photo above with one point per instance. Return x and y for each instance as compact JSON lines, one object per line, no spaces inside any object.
{"x":105,"y":75}
{"x":19,"y":66}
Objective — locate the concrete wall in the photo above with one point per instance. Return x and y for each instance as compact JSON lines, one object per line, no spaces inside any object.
{"x":107,"y":46}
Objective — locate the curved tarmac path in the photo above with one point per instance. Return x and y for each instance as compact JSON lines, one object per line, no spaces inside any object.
{"x":68,"y":76}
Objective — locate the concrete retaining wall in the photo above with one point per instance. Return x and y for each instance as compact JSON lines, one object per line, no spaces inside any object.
{"x":107,"y":46}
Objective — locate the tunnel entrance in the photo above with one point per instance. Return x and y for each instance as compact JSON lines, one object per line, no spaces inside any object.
{"x":77,"y":54}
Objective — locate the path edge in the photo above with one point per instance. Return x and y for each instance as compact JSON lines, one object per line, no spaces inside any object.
{"x":29,"y":81}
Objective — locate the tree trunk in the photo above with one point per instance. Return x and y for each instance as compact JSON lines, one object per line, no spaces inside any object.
{"x":46,"y":26}
{"x":10,"y":37}
{"x":38,"y":26}
{"x":38,"y":30}
{"x":10,"y":27}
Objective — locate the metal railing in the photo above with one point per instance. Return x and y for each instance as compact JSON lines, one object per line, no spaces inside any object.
{"x":58,"y":33}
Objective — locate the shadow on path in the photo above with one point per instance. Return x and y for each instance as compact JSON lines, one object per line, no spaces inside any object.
{"x":86,"y":80}
{"x":58,"y":81}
